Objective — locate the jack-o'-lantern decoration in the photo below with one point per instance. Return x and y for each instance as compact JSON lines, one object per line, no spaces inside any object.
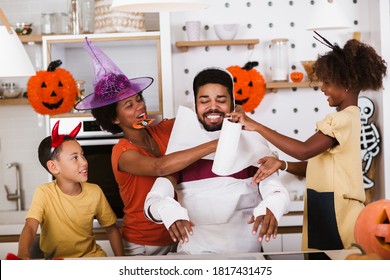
{"x":53,"y":91}
{"x":372,"y":228}
{"x":249,"y":85}
{"x":296,"y":76}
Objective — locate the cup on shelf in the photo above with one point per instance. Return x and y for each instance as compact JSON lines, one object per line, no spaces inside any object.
{"x":193,"y":30}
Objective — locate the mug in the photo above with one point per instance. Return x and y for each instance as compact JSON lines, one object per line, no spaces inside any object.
{"x":193,"y":30}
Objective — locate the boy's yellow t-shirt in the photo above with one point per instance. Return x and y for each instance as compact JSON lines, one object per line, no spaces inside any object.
{"x":67,"y":221}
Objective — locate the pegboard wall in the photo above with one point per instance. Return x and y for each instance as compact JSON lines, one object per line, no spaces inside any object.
{"x":292,"y":112}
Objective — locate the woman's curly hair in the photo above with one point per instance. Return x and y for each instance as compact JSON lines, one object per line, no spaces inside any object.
{"x":357,"y":66}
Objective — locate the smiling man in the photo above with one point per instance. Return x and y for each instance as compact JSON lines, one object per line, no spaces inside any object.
{"x":213,"y":213}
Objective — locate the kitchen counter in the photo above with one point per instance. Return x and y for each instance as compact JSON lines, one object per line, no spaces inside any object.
{"x":12,"y":222}
{"x":332,"y":254}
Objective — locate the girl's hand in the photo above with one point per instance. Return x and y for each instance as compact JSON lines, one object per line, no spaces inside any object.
{"x":239,"y":116}
{"x":268,"y":165}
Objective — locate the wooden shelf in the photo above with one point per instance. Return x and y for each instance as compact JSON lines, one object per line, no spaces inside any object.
{"x":185,"y":45}
{"x":274,"y":86}
{"x":36,"y":38}
{"x":14,"y":101}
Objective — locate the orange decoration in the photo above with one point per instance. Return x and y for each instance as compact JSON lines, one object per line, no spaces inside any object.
{"x":296,"y":76}
{"x":53,"y":91}
{"x":372,"y":228}
{"x":249,"y":85}
{"x":371,"y":256}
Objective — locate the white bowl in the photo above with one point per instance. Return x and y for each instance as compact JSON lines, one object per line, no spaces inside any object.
{"x":12,"y":93}
{"x":226,"y":31}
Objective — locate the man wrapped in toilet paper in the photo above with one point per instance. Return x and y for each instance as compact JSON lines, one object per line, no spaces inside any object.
{"x":212,"y":206}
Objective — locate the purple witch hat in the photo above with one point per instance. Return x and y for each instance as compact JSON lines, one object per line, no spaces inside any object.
{"x":110,"y":84}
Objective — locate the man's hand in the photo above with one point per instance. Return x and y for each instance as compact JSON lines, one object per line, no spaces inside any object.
{"x":268,"y":226}
{"x":180,"y":229}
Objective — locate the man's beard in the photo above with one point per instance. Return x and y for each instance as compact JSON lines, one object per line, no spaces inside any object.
{"x":211,"y":127}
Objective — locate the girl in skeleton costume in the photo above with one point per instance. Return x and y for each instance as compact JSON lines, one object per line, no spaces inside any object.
{"x":331,"y":158}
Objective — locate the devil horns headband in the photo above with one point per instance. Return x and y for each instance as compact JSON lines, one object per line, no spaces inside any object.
{"x":57,"y":139}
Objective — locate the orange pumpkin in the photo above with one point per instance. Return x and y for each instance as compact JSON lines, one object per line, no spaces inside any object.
{"x":53,"y":91}
{"x":249,"y":85}
{"x":296,"y":76}
{"x":372,"y":228}
{"x":363,"y":255}
{"x":371,"y":256}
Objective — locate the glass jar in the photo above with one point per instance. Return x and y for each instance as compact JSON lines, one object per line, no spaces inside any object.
{"x":279,"y":59}
{"x":88,"y":16}
{"x":75,"y":26}
{"x":48,"y":23}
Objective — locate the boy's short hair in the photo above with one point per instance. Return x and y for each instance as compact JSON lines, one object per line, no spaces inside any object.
{"x":46,"y":152}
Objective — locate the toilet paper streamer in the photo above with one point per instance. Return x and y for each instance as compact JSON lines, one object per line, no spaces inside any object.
{"x":237,"y":148}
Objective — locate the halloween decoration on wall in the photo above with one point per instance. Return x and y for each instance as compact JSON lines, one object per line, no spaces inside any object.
{"x":296,"y":76}
{"x":372,"y":228}
{"x":53,"y":91}
{"x":249,"y":85}
{"x":369,"y":143}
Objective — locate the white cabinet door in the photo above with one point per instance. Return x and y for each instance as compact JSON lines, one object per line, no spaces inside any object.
{"x":136,"y":55}
{"x":291,"y":242}
{"x":274,"y":245}
{"x":8,"y":247}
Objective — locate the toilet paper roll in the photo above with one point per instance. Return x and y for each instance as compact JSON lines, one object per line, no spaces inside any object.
{"x":227,"y":149}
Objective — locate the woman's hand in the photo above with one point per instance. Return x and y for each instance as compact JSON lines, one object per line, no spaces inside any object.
{"x":268,"y":165}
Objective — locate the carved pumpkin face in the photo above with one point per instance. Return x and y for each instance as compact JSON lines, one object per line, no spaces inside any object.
{"x":249,"y":86}
{"x":296,"y":76}
{"x":372,"y":228}
{"x":53,"y":91}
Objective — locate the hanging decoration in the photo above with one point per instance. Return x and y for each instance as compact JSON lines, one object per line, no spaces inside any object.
{"x":369,"y":143}
{"x":249,"y":85}
{"x":53,"y":91}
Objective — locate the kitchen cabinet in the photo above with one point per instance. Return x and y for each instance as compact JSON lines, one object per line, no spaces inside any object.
{"x":137,"y":54}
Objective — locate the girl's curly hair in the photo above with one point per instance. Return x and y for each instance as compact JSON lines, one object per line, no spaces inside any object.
{"x":357,"y":66}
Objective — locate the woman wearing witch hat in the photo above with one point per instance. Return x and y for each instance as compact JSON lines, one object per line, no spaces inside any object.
{"x":138,"y":158}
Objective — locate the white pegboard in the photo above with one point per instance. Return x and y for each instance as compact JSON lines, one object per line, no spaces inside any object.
{"x":291,"y":112}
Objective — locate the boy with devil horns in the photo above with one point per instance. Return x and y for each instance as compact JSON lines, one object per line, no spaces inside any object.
{"x":66,"y":207}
